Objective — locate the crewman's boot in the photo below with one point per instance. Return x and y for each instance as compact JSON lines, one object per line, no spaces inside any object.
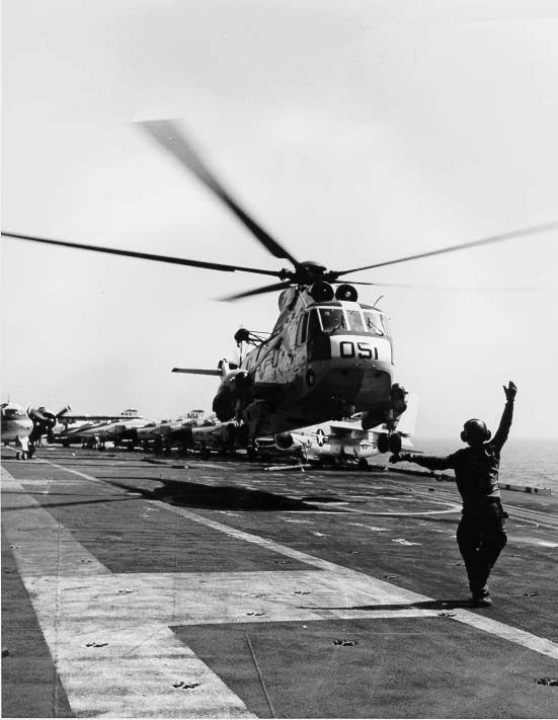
{"x":481,"y":598}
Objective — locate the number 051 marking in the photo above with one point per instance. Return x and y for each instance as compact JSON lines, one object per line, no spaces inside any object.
{"x":363,"y":350}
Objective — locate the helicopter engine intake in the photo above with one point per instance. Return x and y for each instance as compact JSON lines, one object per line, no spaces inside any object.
{"x":346,"y":292}
{"x":321,"y":292}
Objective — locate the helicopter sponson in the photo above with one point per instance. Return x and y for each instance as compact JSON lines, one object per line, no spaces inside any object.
{"x":236,"y":387}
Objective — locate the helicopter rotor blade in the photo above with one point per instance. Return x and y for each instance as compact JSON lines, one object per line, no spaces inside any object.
{"x":145,"y":256}
{"x":168,"y":135}
{"x":197,"y":371}
{"x":523,"y":232}
{"x":471,"y":288}
{"x":258,"y":291}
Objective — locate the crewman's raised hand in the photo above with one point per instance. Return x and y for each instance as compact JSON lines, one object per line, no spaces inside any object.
{"x":511,"y":391}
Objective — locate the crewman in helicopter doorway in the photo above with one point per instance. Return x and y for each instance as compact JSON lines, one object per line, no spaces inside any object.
{"x":480,"y":534}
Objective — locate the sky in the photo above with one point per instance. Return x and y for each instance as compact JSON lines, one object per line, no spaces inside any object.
{"x":354,"y":131}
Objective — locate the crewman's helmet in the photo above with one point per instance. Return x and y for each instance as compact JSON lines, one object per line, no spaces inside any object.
{"x":475,"y":431}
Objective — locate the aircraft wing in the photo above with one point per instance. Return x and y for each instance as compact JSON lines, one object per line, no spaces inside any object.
{"x":342,"y":428}
{"x":67,"y":418}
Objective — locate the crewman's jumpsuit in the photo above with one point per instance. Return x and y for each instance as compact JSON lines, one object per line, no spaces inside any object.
{"x":480,"y":534}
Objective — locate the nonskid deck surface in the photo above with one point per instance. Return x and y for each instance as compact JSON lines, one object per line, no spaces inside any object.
{"x":182,"y":588}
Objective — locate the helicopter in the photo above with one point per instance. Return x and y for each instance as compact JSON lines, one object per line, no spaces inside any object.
{"x":328,"y":355}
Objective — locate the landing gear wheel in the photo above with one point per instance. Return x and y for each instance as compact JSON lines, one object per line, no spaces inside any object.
{"x":395,"y":443}
{"x":383,"y":444}
{"x":251,"y":452}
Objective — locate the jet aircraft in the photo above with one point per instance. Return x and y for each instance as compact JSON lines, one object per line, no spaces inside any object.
{"x":346,"y":441}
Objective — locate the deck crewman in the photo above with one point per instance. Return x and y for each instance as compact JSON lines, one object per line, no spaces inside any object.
{"x":480,"y":534}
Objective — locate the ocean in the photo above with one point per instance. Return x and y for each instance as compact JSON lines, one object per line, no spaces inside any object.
{"x":526,"y":461}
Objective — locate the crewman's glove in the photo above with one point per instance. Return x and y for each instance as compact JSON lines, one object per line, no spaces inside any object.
{"x":511,"y":391}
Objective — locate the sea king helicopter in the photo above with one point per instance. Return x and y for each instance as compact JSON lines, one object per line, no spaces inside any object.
{"x":328,"y":356}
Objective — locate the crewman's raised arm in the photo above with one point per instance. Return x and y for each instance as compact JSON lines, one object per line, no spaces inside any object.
{"x":502,"y":433}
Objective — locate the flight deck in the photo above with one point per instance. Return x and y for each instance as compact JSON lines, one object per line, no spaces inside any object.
{"x":135,"y":586}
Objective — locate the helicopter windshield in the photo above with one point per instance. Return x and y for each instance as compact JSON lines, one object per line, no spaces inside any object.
{"x":338,"y":320}
{"x":373,"y":322}
{"x":333,"y":320}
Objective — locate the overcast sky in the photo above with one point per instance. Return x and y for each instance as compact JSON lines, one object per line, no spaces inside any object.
{"x":354,"y":131}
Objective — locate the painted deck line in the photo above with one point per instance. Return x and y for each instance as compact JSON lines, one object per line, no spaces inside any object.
{"x":451,"y":508}
{"x":136,"y":676}
{"x":40,"y":544}
{"x":372,"y":585}
{"x":92,"y":609}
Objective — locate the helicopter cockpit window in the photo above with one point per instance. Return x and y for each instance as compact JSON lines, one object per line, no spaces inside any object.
{"x":373,"y":323}
{"x":333,"y":320}
{"x":355,"y":320}
{"x":302,"y":328}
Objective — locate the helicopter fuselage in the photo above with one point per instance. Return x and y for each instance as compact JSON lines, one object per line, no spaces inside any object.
{"x":323,"y":360}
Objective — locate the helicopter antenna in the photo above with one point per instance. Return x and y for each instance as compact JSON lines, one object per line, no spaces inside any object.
{"x":377,"y":300}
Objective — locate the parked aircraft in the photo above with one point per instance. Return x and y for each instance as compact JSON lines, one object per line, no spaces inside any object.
{"x":26,"y":427}
{"x":341,"y":441}
{"x":17,"y":427}
{"x":76,"y":428}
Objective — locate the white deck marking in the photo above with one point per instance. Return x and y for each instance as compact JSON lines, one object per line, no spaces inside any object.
{"x":451,"y":507}
{"x":532,"y":541}
{"x":40,"y":544}
{"x":93,"y":609}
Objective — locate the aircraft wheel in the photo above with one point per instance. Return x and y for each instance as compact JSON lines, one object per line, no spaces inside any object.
{"x":383,"y":444}
{"x":18,"y":455}
{"x":362,"y":464}
{"x":395,"y":443}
